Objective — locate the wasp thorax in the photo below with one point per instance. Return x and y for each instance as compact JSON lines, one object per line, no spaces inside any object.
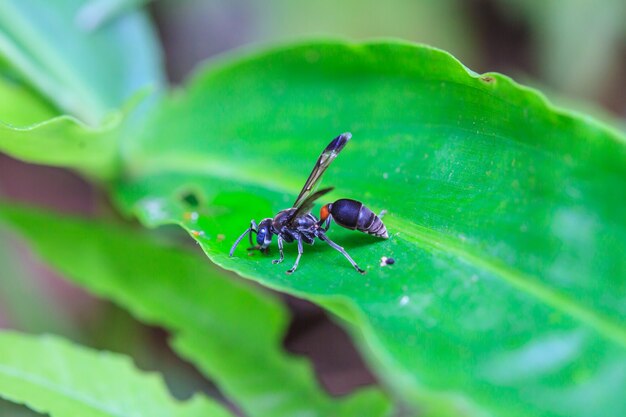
{"x":282,"y":218}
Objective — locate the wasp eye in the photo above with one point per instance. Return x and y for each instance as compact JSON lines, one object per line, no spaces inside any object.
{"x":260,"y":237}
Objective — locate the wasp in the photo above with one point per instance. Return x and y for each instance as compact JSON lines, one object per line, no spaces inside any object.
{"x":299,"y":225}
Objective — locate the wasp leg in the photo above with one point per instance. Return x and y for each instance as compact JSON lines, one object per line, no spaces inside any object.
{"x":295,"y":265}
{"x":342,"y":250}
{"x":325,"y":224}
{"x":280,"y":249}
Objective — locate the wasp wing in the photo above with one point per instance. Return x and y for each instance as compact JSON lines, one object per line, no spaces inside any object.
{"x":327,"y":156}
{"x":307,"y":205}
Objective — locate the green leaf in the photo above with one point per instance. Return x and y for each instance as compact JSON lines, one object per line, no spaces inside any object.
{"x":20,"y":106}
{"x":230,"y":331}
{"x":506,"y":217}
{"x":53,"y":376}
{"x":32,"y":131}
{"x":66,"y":142}
{"x":86,"y":73}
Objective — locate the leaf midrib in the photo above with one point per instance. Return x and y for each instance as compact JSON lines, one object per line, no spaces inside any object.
{"x":527,"y":283}
{"x":429,"y":238}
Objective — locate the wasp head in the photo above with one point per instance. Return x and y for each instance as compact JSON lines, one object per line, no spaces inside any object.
{"x":264,"y":233}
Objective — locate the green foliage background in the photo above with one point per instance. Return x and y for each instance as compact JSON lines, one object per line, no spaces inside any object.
{"x":505,"y":213}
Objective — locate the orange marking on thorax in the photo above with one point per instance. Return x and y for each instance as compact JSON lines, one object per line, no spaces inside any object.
{"x":324,"y":212}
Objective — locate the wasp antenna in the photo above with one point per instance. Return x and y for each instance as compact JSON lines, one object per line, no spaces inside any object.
{"x":232,"y":249}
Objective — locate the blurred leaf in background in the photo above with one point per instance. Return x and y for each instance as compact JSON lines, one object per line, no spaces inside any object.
{"x":53,"y":376}
{"x":94,"y":75}
{"x":85,"y":73}
{"x":34,"y":300}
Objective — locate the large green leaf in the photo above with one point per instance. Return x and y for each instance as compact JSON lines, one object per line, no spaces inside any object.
{"x":230,"y":331}
{"x":53,"y":376}
{"x":506,"y":217}
{"x":86,"y":73}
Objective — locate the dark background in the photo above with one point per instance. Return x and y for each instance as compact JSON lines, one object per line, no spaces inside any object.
{"x":574,"y":51}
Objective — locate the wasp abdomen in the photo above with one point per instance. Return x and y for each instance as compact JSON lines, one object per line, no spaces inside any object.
{"x":353,"y":215}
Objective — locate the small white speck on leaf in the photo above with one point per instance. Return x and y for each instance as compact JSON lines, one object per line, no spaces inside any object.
{"x":404,"y":300}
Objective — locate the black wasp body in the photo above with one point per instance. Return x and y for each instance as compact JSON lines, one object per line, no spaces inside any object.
{"x":297,"y":224}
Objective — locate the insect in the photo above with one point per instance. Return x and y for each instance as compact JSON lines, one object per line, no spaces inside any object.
{"x":299,"y":225}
